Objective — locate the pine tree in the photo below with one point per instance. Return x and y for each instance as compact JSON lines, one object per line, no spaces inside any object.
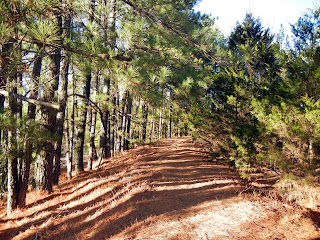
{"x":44,"y":163}
{"x":63,"y":91}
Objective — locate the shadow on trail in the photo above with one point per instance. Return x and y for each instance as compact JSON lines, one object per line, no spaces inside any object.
{"x":167,"y":179}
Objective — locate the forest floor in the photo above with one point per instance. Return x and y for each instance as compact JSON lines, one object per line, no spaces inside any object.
{"x":168,"y":190}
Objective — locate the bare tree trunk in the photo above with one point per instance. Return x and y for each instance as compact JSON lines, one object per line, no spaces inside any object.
{"x":2,"y":99}
{"x":144,"y":121}
{"x":18,"y":137}
{"x":122,"y":121}
{"x":67,"y":142}
{"x":108,"y":20}
{"x":28,"y":144}
{"x":151,"y":133}
{"x":104,"y":148}
{"x":3,"y":166}
{"x":170,"y":121}
{"x":81,"y":127}
{"x":62,"y":98}
{"x":44,"y":163}
{"x":93,"y":121}
{"x":12,"y":175}
{"x":13,"y":190}
{"x":160,"y":125}
{"x":118,"y":126}
{"x":123,"y":117}
{"x":70,"y":132}
{"x":135,"y":133}
{"x":114,"y":119}
{"x":128,"y":122}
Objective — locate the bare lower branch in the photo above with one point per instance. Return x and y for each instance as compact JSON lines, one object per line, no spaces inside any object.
{"x":96,"y":106}
{"x":32,"y":101}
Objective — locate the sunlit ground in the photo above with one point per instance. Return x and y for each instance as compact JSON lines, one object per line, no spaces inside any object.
{"x":166,"y":191}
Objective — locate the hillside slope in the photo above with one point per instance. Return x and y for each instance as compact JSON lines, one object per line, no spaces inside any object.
{"x":169,"y":190}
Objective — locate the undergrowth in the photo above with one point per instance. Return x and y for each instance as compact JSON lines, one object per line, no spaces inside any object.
{"x":304,"y":191}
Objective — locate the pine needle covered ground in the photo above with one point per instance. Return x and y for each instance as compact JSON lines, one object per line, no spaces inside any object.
{"x":169,"y":190}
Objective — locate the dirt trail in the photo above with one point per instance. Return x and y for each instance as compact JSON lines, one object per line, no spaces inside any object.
{"x":169,"y":190}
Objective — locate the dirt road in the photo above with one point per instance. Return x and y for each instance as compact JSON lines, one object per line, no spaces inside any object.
{"x":169,"y":190}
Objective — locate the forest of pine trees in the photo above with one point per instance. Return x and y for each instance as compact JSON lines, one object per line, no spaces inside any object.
{"x":97,"y":77}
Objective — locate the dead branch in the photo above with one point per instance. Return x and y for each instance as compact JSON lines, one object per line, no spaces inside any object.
{"x":32,"y":101}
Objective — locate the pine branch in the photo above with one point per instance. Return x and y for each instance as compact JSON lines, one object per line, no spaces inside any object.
{"x":155,"y":51}
{"x":149,"y":50}
{"x":152,"y":16}
{"x":32,"y":101}
{"x":77,"y":51}
{"x":95,"y":105}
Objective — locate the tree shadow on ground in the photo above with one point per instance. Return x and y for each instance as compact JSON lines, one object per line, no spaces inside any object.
{"x":167,"y":179}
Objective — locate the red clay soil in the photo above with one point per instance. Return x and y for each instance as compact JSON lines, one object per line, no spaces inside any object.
{"x":170,"y":190}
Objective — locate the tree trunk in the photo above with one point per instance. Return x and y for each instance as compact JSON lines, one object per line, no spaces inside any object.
{"x":135,"y":133}
{"x":145,"y":121}
{"x":70,"y":132}
{"x":151,"y":133}
{"x":122,"y":121}
{"x":123,"y":118}
{"x":114,"y":119}
{"x":12,"y":175}
{"x":160,"y":125}
{"x":44,"y":163}
{"x":81,"y":128}
{"x":28,"y":144}
{"x":2,"y":98}
{"x":13,"y":190}
{"x":18,"y":137}
{"x":68,"y":150}
{"x":118,"y":124}
{"x":93,"y":121}
{"x":62,"y":98}
{"x":128,"y":122}
{"x":57,"y":57}
{"x":104,"y":148}
{"x":108,"y":20}
{"x":170,"y":121}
